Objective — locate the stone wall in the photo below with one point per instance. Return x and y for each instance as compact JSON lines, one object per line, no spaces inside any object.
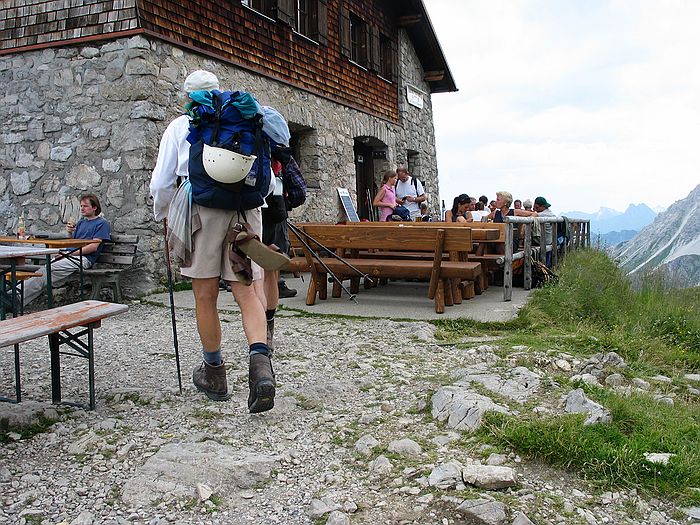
{"x":90,"y":119}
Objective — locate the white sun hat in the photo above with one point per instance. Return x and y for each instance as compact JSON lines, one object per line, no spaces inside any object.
{"x":201,"y":80}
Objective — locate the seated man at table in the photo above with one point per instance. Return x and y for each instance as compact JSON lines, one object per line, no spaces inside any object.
{"x":90,"y":226}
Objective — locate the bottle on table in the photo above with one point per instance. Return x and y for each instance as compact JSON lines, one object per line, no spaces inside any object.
{"x":70,"y":225}
{"x":21,"y":227}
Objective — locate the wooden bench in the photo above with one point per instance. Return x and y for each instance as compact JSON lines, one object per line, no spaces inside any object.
{"x":117,"y":256}
{"x":445,"y":277}
{"x":56,"y":323}
{"x":484,"y":234}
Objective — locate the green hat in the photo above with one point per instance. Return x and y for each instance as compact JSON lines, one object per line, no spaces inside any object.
{"x":541,"y":201}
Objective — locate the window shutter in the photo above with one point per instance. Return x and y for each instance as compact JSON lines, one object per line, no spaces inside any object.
{"x":394,"y":63}
{"x":285,"y":12}
{"x":345,"y":32}
{"x":375,"y":50}
{"x":319,"y":31}
{"x":365,"y":45}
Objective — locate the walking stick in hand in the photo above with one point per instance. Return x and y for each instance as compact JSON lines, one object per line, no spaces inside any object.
{"x":172,"y":303}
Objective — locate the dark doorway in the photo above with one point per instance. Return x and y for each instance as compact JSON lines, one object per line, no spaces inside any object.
{"x":364,"y":175}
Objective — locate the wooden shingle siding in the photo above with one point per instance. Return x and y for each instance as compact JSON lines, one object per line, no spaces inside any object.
{"x":232,"y":31}
{"x":25,"y":23}
{"x":245,"y":37}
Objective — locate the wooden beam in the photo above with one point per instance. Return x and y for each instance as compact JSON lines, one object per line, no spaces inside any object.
{"x":409,"y":20}
{"x":434,"y":76}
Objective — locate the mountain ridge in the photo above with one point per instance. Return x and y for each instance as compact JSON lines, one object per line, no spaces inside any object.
{"x":607,"y":220}
{"x":671,"y":243}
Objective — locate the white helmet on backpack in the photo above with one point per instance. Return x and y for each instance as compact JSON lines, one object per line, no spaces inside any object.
{"x":226,"y":166}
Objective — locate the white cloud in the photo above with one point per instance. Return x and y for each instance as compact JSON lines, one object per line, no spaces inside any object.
{"x":591,"y":104}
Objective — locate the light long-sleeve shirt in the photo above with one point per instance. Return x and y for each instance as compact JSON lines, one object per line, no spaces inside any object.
{"x":173,"y":160}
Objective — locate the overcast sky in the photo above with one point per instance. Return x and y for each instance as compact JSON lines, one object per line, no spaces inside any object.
{"x":589,"y":103}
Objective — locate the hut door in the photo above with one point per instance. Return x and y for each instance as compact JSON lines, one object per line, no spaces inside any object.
{"x":364,"y":175}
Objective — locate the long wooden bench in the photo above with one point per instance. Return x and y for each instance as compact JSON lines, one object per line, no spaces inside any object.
{"x":56,"y":323}
{"x":346,"y":240}
{"x":485,"y":235}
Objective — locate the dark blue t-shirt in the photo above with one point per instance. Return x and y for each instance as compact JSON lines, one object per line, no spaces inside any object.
{"x":97,"y":228}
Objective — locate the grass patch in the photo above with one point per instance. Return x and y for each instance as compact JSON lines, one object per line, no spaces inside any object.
{"x":595,"y":309}
{"x":42,"y":425}
{"x":611,"y":455}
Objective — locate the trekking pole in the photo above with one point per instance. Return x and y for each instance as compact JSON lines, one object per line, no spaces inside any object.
{"x":298,"y":231}
{"x":172,"y":304}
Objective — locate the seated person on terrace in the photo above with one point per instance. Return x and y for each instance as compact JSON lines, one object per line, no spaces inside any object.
{"x":503,"y":209}
{"x":90,"y":226}
{"x":459,"y":212}
{"x":480,"y":214}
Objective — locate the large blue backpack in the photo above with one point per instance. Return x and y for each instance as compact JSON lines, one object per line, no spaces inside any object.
{"x":228,"y":123}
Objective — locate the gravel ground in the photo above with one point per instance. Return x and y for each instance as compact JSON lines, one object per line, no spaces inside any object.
{"x":149,"y":455}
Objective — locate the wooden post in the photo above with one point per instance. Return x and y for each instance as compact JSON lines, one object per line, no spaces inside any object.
{"x":543,"y":240}
{"x":508,"y":264}
{"x":555,"y":254}
{"x":527,"y":250}
{"x":588,"y":233}
{"x":566,"y":241}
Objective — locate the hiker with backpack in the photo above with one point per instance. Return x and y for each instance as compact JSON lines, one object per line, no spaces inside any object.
{"x":220,"y":152}
{"x":409,"y":192}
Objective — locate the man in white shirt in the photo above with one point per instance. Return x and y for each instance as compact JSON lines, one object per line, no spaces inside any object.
{"x":409,"y":192}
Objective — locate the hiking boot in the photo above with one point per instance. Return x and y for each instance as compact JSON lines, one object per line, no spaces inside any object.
{"x":261,"y":382}
{"x":211,"y":380}
{"x":284,"y":291}
{"x":270,"y":335}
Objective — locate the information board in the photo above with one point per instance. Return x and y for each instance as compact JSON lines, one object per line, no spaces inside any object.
{"x":348,"y":206}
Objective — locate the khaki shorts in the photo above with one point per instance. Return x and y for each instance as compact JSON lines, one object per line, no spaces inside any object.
{"x":210,"y":249}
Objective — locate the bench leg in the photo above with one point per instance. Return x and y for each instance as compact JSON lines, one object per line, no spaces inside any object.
{"x":337,"y":290}
{"x":467,"y":288}
{"x":323,"y":286}
{"x":447,"y":286}
{"x":96,"y":289}
{"x":117,"y":288}
{"x":312,"y":291}
{"x":456,"y":292}
{"x":18,"y":386}
{"x":55,"y":369}
{"x":91,"y":368}
{"x":440,"y":297}
{"x":355,"y":285}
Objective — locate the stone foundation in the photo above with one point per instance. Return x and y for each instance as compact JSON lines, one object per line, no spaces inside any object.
{"x":89,"y":119}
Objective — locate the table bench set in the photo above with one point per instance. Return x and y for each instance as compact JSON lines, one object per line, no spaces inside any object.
{"x":69,"y":328}
{"x":438,"y":252}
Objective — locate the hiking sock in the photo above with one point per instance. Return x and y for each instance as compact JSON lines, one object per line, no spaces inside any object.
{"x":270,"y":314}
{"x":212,"y":358}
{"x":258,"y":348}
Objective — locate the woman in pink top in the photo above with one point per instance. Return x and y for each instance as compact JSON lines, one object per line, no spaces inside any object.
{"x":385,"y":199}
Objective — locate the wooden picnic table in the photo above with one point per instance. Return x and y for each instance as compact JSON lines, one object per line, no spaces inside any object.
{"x":14,"y":256}
{"x":63,"y":243}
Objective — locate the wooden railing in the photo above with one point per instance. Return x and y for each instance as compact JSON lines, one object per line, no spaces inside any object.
{"x":579,"y":231}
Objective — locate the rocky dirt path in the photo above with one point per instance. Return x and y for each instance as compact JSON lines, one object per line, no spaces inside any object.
{"x":352,"y":438}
